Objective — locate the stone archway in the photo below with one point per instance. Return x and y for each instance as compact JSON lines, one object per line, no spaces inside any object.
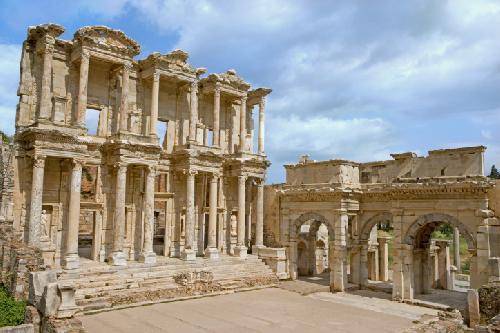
{"x":430,"y":262}
{"x":298,"y":246}
{"x":372,"y":265}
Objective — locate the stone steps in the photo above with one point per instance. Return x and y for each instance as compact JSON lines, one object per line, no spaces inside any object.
{"x":100,"y":287}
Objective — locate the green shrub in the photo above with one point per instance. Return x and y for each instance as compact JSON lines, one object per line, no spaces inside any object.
{"x":11,"y":311}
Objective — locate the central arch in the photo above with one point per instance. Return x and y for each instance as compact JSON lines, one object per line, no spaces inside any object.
{"x":305,"y":217}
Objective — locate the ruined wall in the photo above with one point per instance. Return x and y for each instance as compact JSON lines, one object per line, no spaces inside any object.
{"x":467,"y":161}
{"x":329,"y":172}
{"x":271,"y":215}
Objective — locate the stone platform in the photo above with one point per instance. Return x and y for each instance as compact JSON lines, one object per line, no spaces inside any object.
{"x":101,"y":287}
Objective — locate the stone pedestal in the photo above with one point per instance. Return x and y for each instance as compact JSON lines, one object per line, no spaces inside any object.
{"x":241,"y":251}
{"x":256,"y":249}
{"x":71,"y":261}
{"x":147,"y":257}
{"x":188,"y":255}
{"x":212,"y":253}
{"x":118,"y":259}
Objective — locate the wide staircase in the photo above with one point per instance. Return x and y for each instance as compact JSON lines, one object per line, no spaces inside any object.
{"x":103,"y":287}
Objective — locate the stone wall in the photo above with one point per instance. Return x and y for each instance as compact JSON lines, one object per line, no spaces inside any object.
{"x":489,"y":301}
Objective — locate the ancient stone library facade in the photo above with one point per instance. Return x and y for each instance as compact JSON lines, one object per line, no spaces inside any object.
{"x":138,"y":180}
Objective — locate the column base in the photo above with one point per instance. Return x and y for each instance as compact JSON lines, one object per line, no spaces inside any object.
{"x":71,"y":261}
{"x":241,"y":251}
{"x":147,"y":258}
{"x":256,"y":248}
{"x":212,"y":253}
{"x":188,"y":255}
{"x":118,"y":259}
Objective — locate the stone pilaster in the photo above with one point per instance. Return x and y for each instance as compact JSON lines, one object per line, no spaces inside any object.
{"x":444,"y":265}
{"x":259,"y":220}
{"x":260,"y":142}
{"x":241,"y":250}
{"x":36,"y":201}
{"x":82,"y":89}
{"x":155,"y":90}
{"x":193,"y":111}
{"x":71,"y":259}
{"x":188,"y":253}
{"x":243,"y":123}
{"x":124,"y":97}
{"x":211,"y":251}
{"x":216,"y":129}
{"x":338,"y":271}
{"x":456,"y":248}
{"x":118,"y":257}
{"x":147,"y":255}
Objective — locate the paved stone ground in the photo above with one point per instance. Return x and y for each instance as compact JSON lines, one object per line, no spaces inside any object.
{"x":268,"y":310}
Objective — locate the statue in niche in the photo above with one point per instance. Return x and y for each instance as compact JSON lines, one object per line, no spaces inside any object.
{"x":234,"y":224}
{"x":44,"y":226}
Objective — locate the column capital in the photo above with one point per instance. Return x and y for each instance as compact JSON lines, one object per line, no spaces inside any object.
{"x":217,"y":89}
{"x":156,"y":76}
{"x":151,"y":171}
{"x":120,"y":165}
{"x":85,"y":55}
{"x":127,"y":66}
{"x":194,"y":86}
{"x":190,"y":172}
{"x":77,"y":163}
{"x":241,"y":178}
{"x":39,"y":161}
{"x":262,"y":103}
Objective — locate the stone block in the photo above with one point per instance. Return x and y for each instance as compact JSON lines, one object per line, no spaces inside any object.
{"x":473,"y":307}
{"x":71,"y":261}
{"x":67,"y":306}
{"x":50,"y":301}
{"x":37,"y":283}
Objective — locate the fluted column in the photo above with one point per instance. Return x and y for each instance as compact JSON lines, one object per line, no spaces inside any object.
{"x":155,"y":89}
{"x":46,"y":86}
{"x":211,"y":251}
{"x":124,"y":97}
{"x":71,"y":259}
{"x":241,"y":250}
{"x":259,"y":212}
{"x":262,"y":105}
{"x":216,"y":134}
{"x":193,"y":111}
{"x":147,"y":255}
{"x":34,"y":232}
{"x":188,"y":253}
{"x":243,"y":123}
{"x":118,"y":258}
{"x":82,"y":88}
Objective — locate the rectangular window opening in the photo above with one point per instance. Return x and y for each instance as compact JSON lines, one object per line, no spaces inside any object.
{"x":161,"y":131}
{"x":92,"y":121}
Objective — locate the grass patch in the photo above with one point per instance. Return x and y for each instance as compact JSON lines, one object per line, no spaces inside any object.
{"x":11,"y":311}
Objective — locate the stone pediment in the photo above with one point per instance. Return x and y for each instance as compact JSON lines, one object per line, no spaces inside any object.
{"x":107,"y":39}
{"x":175,"y":60}
{"x":229,"y":78}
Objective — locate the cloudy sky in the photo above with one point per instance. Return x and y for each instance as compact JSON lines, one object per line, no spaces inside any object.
{"x":351,"y":79}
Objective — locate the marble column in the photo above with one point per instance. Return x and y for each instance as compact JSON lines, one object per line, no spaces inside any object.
{"x":46,"y":83}
{"x":155,"y":89}
{"x":71,"y":259}
{"x":259,"y":218}
{"x":211,"y":250}
{"x":34,"y":232}
{"x":82,"y":89}
{"x":383,"y":248}
{"x":188,"y":253}
{"x":243,"y":123}
{"x":124,"y":97}
{"x":216,"y":129}
{"x":118,"y":257}
{"x":240,"y":249}
{"x":262,"y":105}
{"x":456,"y":249}
{"x":148,"y":256}
{"x":193,"y":112}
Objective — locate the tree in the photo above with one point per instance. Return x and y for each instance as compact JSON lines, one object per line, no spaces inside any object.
{"x":4,"y":137}
{"x":494,"y":174}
